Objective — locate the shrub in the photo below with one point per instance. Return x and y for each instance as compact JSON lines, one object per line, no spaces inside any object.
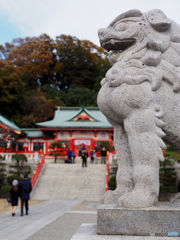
{"x":20,"y":159}
{"x":168,"y":176}
{"x":20,"y":167}
{"x":4,"y":191}
{"x":112,"y":182}
{"x":2,"y":171}
{"x":104,"y":144}
{"x":10,"y":178}
{"x":168,"y":180}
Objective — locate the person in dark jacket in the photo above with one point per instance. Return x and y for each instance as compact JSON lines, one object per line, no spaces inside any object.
{"x":73,"y":157}
{"x":14,"y":194}
{"x":92,"y":154}
{"x":103,"y":155}
{"x":80,"y":153}
{"x":69,"y":155}
{"x":84,"y":157}
{"x":25,"y":189}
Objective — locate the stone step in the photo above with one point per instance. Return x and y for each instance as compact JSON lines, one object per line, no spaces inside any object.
{"x":50,"y":159}
{"x":71,"y":181}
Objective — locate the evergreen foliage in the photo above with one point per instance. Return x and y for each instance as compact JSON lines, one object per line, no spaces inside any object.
{"x":112,"y":182}
{"x":19,"y":168}
{"x":168,"y":176}
{"x":105,"y":144}
{"x":2,"y":172}
{"x":4,"y":187}
{"x":4,"y":191}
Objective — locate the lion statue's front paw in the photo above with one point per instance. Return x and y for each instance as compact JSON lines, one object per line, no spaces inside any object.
{"x":137,"y":199}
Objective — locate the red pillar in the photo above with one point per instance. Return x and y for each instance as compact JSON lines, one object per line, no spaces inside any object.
{"x":107,"y":172}
{"x":110,"y":139}
{"x":46,"y":147}
{"x":94,"y":142}
{"x":71,"y":143}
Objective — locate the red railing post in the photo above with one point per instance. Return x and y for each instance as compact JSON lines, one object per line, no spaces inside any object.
{"x":107,"y":172}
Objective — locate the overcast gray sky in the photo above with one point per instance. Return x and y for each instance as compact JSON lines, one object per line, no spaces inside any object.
{"x":81,"y":18}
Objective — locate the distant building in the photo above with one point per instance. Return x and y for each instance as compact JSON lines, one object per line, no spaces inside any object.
{"x":73,"y":126}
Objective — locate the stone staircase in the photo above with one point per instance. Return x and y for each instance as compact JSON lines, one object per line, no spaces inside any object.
{"x":71,"y":181}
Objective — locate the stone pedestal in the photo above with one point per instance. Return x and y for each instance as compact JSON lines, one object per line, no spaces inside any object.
{"x":88,"y":232}
{"x":158,"y":221}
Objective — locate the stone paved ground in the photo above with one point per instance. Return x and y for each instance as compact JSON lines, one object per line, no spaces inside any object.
{"x":6,"y":207}
{"x":64,"y":227}
{"x":20,"y":228}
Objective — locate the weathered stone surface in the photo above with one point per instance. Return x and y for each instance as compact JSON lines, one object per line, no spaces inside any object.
{"x":88,"y":232}
{"x":137,"y":222}
{"x":140,"y":96}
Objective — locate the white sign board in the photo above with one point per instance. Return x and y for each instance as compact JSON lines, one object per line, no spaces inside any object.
{"x":81,"y":141}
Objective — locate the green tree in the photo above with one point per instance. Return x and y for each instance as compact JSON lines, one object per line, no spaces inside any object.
{"x":79,"y":62}
{"x":35,"y":107}
{"x":78,"y":96}
{"x":11,"y":86}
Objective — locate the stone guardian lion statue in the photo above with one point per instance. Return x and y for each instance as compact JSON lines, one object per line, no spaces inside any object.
{"x":140,"y":98}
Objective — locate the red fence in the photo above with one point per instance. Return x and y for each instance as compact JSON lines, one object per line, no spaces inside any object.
{"x":38,"y":171}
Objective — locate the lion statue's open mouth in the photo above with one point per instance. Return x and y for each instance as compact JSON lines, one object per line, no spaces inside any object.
{"x":117,"y":44}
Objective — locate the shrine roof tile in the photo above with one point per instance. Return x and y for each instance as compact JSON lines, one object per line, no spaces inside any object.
{"x":10,"y":124}
{"x":64,"y":118}
{"x":33,"y":132}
